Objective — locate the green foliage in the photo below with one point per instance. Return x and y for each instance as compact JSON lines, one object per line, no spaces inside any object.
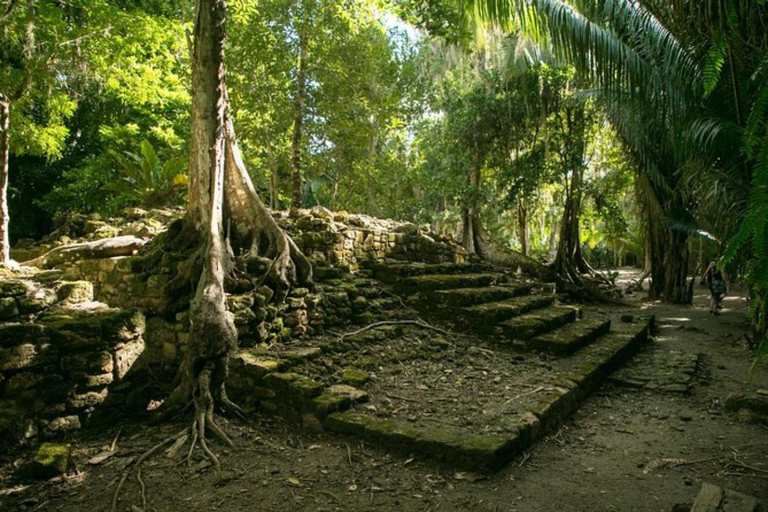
{"x":147,"y":180}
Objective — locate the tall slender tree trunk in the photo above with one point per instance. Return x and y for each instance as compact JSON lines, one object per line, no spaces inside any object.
{"x":219,"y":186}
{"x":667,"y":249}
{"x":298,"y":116}
{"x":5,"y":246}
{"x":522,"y":224}
{"x":471,"y":230}
{"x":569,"y":261}
{"x":274,"y":179}
{"x":553,"y":233}
{"x":373,"y":204}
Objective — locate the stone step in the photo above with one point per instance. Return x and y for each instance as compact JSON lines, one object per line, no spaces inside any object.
{"x":485,"y":316}
{"x":433,"y":282}
{"x":541,"y":411}
{"x":466,"y":297}
{"x":529,"y":325}
{"x":571,"y":337}
{"x":265,"y":380}
{"x":392,"y":272}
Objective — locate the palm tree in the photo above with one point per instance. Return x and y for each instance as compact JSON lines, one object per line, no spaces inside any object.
{"x":685,"y":84}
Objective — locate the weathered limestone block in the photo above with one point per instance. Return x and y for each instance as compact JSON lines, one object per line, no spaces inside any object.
{"x":12,"y":288}
{"x":87,"y":399}
{"x":89,"y":362}
{"x":35,"y":301}
{"x":8,"y":308}
{"x":126,"y":356}
{"x":75,"y":292}
{"x":93,"y":381}
{"x":51,"y":460}
{"x":355,"y":377}
{"x":22,"y":381}
{"x":19,"y":334}
{"x":295,"y":318}
{"x":16,"y":358}
{"x":62,"y":424}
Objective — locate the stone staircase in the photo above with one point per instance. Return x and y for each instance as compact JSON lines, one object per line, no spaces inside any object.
{"x":520,"y":363}
{"x":546,"y":358}
{"x":482,"y":299}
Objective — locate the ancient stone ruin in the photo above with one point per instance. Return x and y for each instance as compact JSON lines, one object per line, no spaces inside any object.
{"x":405,"y":341}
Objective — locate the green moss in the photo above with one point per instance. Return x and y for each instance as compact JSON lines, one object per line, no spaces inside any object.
{"x":306,"y":387}
{"x":51,"y":460}
{"x":355,"y":377}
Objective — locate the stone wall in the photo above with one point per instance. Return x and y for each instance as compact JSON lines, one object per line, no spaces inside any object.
{"x":337,"y":243}
{"x":61,"y":355}
{"x":65,"y":354}
{"x":340,"y":238}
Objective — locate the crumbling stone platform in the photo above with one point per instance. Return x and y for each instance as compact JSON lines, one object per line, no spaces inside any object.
{"x":472,"y":400}
{"x":443,"y":355}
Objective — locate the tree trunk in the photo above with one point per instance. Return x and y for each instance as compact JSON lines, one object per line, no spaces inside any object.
{"x":5,"y":246}
{"x":298,"y":117}
{"x":274,"y":182}
{"x":471,"y":229}
{"x":569,"y":261}
{"x":553,"y":231}
{"x":522,"y":223}
{"x":219,"y":186}
{"x":667,"y":250}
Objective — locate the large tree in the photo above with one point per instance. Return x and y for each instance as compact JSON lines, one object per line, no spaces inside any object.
{"x":220,"y":191}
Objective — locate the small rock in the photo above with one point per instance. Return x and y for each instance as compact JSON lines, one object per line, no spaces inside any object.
{"x":51,"y":460}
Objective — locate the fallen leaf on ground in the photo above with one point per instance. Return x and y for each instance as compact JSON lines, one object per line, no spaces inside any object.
{"x":469,"y":477}
{"x":101,"y":457}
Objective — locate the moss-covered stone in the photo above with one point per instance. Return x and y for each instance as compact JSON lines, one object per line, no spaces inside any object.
{"x":306,"y":387}
{"x":280,"y":381}
{"x":12,"y":288}
{"x":75,"y":292}
{"x":16,"y":358}
{"x":14,"y":334}
{"x":355,"y":377}
{"x":51,"y":460}
{"x":8,"y":308}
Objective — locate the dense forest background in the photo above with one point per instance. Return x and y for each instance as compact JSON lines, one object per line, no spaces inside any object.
{"x":587,"y":133}
{"x":364,"y":111}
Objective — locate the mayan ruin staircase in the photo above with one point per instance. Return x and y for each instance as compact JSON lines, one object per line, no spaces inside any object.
{"x":403,"y":343}
{"x":505,"y":364}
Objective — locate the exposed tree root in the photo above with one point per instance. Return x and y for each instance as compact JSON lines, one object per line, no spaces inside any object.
{"x":106,"y":248}
{"x":196,"y":431}
{"x":226,"y":214}
{"x":138,"y":463}
{"x":418,"y":323}
{"x":636,"y":284}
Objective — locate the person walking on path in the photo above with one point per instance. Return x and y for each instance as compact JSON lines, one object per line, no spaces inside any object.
{"x":717,"y":287}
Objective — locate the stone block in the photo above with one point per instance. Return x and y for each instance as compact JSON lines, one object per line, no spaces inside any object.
{"x":89,"y":362}
{"x":355,"y":377}
{"x":8,"y":308}
{"x":94,"y":381}
{"x":15,"y":334}
{"x":12,"y":288}
{"x":62,"y":424}
{"x":75,"y":292}
{"x":22,"y":381}
{"x":51,"y":460}
{"x":87,"y":399}
{"x":16,"y":358}
{"x":126,"y":355}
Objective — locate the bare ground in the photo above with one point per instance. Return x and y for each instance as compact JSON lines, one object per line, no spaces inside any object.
{"x":628,"y":449}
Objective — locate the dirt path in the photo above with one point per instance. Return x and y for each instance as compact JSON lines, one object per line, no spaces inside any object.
{"x":626,"y":449}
